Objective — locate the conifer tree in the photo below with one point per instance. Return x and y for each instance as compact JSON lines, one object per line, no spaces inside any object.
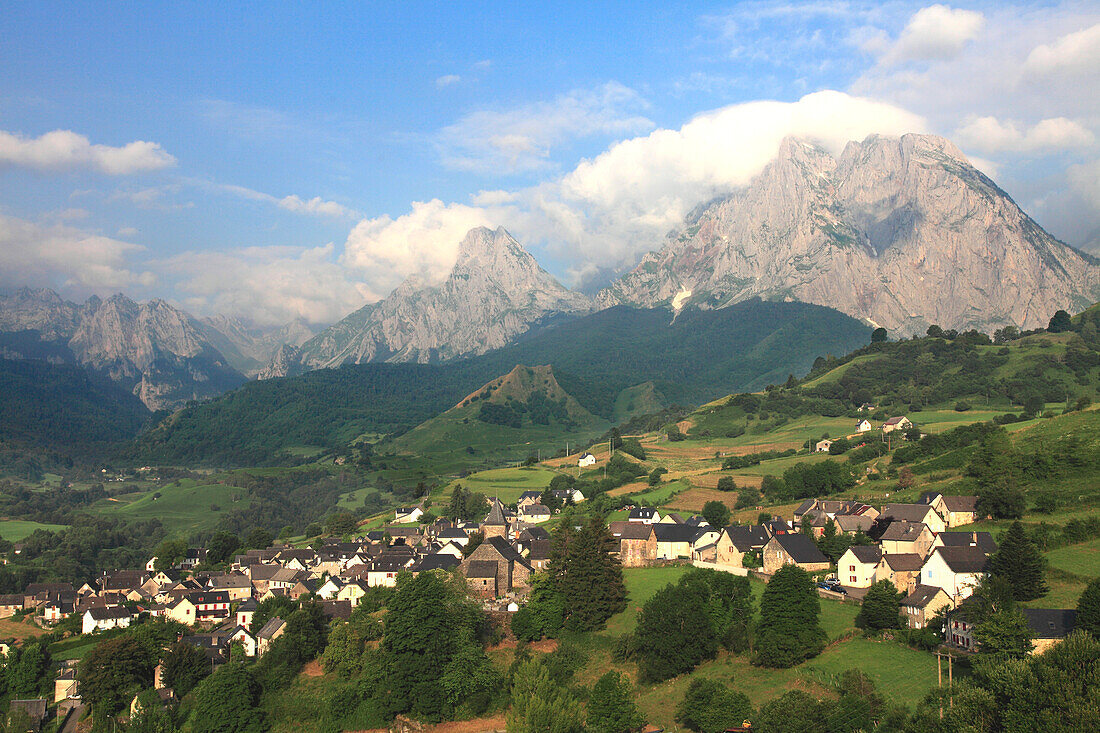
{"x":1088,"y":609}
{"x":790,"y":629}
{"x":1019,"y":562}
{"x":880,"y":607}
{"x":611,"y":707}
{"x":586,"y":575}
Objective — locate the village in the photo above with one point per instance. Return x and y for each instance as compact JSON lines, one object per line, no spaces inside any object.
{"x":923,"y":549}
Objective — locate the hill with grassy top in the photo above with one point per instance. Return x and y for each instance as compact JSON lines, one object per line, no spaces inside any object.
{"x":693,"y":358}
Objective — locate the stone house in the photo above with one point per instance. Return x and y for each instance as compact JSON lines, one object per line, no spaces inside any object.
{"x":510,"y":572}
{"x":906,"y":538}
{"x":736,"y":540}
{"x":637,"y":543}
{"x":915,"y":514}
{"x":901,"y":569}
{"x":922,"y":605}
{"x":793,"y":549}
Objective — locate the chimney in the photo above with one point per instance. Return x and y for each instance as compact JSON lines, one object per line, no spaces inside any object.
{"x":974,"y":539}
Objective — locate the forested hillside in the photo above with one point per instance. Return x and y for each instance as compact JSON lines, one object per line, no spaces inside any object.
{"x":62,"y":410}
{"x":696,"y":357}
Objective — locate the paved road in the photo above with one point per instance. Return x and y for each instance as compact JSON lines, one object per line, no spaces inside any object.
{"x":73,"y":720}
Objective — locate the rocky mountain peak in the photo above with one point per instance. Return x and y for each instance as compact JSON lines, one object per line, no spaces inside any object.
{"x":901,"y":232}
{"x":495,"y":292}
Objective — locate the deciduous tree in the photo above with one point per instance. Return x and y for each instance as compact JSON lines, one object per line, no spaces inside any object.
{"x":611,"y":707}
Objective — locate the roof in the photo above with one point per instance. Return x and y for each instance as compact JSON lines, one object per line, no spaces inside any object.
{"x":675,"y":532}
{"x":13,"y":599}
{"x":961,"y":503}
{"x":631,"y":530}
{"x":103,"y":613}
{"x":921,"y":596}
{"x":481,"y":569}
{"x":453,"y":533}
{"x":406,"y":510}
{"x":530,"y":495}
{"x":800,"y":547}
{"x":896,"y":420}
{"x":903,"y":531}
{"x":642,"y":512}
{"x":1051,"y":623}
{"x":867,"y":553}
{"x":853,"y":522}
{"x":35,"y":709}
{"x":209,"y":596}
{"x":249,"y":604}
{"x":232,"y":580}
{"x":436,"y":562}
{"x":805,"y":506}
{"x":964,"y":559}
{"x":536,"y":533}
{"x":336,"y":609}
{"x":538,"y":509}
{"x":496,"y":514}
{"x":981,"y":540}
{"x":270,"y":628}
{"x":506,"y":550}
{"x":904,"y":561}
{"x":747,"y":537}
{"x":906,"y":512}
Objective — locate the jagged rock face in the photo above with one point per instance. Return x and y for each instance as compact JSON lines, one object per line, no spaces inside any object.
{"x":495,"y":292}
{"x":152,"y":348}
{"x":249,"y":349}
{"x":901,"y":232}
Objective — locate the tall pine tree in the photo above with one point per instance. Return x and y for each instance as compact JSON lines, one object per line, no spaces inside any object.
{"x":1019,"y":562}
{"x":790,"y":628}
{"x":1088,"y":609}
{"x":586,"y":575}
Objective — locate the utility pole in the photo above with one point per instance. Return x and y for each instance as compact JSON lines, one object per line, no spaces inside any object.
{"x":939,"y":679}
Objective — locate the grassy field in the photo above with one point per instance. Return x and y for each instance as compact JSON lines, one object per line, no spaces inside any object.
{"x":12,"y":629}
{"x":504,"y":483}
{"x":1082,"y":559}
{"x":184,"y":508}
{"x":15,"y":530}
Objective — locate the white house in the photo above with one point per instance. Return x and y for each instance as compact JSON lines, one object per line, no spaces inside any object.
{"x":856,"y":567}
{"x":896,"y":423}
{"x":329,"y":589}
{"x":408,"y":514}
{"x":955,"y":569}
{"x":863,"y":426}
{"x":587,"y":460}
{"x":822,"y":446}
{"x":644,"y":515}
{"x":101,"y":619}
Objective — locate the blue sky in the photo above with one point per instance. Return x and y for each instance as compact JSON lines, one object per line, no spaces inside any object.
{"x":302,"y":161}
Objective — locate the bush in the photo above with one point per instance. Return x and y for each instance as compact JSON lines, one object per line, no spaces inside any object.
{"x":962,"y":406}
{"x":726,"y":483}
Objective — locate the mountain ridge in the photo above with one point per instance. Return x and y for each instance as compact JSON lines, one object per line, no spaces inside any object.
{"x":901,"y":232}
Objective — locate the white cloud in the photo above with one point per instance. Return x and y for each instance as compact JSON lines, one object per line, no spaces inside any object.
{"x":315,"y":206}
{"x":447,"y":80}
{"x":619,"y":204}
{"x":66,"y":257}
{"x":988,"y":134}
{"x":127,"y":232}
{"x":522,"y":138}
{"x":1073,"y":53}
{"x":614,"y":207}
{"x":64,"y":150}
{"x":423,"y":242}
{"x":933,"y":33}
{"x":270,"y":285}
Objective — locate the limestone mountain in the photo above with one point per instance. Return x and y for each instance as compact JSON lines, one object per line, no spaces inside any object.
{"x":250,"y":348}
{"x":495,"y":292}
{"x":902,"y":232}
{"x":152,"y":349}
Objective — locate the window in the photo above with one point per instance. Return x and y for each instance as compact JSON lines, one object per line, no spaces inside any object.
{"x":852,"y":568}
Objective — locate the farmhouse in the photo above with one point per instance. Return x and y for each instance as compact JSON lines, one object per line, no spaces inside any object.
{"x":922,"y":605}
{"x":1049,"y":625}
{"x":495,"y":568}
{"x":822,"y":446}
{"x":915,"y":513}
{"x":955,"y":569}
{"x":903,"y":570}
{"x":586,"y":460}
{"x":955,"y":510}
{"x":101,"y":619}
{"x":637,"y":543}
{"x":736,"y":540}
{"x":863,"y":426}
{"x":644,"y":515}
{"x":408,"y":514}
{"x":856,"y":567}
{"x":896,"y":423}
{"x":674,"y":541}
{"x":793,"y":549}
{"x":905,"y":538}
